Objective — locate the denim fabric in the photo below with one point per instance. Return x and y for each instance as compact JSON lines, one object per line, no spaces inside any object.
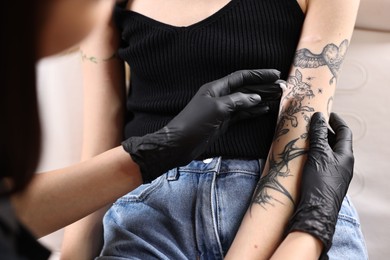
{"x":348,"y":241}
{"x":193,"y":212}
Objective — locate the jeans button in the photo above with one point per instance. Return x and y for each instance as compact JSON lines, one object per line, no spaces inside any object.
{"x":208,"y":160}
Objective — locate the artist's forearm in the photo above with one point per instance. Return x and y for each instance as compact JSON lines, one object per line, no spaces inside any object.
{"x":58,"y":198}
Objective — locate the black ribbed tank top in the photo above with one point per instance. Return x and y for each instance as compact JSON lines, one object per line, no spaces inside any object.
{"x":169,"y":64}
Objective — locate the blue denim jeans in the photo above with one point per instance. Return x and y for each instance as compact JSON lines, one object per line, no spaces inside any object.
{"x":193,"y":212}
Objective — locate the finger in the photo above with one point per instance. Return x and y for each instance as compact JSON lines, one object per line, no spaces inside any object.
{"x":229,"y":83}
{"x":343,"y":133}
{"x":282,"y":84}
{"x":331,"y":137}
{"x":269,"y":92}
{"x":318,"y":132}
{"x":249,"y":113}
{"x":260,"y":76}
{"x":238,"y":101}
{"x":249,"y":77}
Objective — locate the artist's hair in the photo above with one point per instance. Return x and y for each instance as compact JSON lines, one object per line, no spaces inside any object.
{"x":20,"y":135}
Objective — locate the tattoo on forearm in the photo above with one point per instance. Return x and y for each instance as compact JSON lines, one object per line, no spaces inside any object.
{"x":296,"y":109}
{"x":292,"y":108}
{"x":278,"y":168}
{"x":306,"y":134}
{"x":299,"y":90}
{"x":331,"y":56}
{"x":93,"y":59}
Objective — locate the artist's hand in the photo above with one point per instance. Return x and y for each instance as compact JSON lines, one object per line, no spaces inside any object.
{"x":325,"y":179}
{"x":205,"y":117}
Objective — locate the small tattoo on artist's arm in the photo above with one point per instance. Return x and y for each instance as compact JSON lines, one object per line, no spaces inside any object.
{"x":93,"y":59}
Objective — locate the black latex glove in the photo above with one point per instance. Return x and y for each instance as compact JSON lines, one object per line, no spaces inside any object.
{"x":325,"y":180}
{"x":271,"y":92}
{"x":204,"y":118}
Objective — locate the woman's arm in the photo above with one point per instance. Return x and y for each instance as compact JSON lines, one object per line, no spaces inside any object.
{"x":298,"y":245}
{"x":104,"y":95}
{"x":326,"y":176}
{"x":324,"y":40}
{"x":55,"y":199}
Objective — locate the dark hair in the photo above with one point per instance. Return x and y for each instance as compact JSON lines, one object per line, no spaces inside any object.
{"x":20,"y":129}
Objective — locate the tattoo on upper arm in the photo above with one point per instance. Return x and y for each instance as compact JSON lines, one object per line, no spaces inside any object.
{"x":331,"y":56}
{"x":93,"y":59}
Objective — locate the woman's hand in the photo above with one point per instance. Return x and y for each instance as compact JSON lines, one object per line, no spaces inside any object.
{"x":205,"y":117}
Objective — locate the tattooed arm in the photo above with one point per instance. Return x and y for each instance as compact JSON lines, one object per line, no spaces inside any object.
{"x":310,"y":87}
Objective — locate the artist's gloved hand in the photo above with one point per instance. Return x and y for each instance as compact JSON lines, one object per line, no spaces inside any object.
{"x":325,"y":180}
{"x":271,"y":92}
{"x":204,"y":118}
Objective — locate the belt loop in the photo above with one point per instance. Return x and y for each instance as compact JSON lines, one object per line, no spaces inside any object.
{"x":218,"y":163}
{"x":173,"y":175}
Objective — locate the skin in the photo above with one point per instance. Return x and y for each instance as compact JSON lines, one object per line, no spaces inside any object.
{"x":327,"y":30}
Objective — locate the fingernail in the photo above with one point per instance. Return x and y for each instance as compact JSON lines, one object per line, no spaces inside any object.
{"x":255,"y":98}
{"x":283,"y":86}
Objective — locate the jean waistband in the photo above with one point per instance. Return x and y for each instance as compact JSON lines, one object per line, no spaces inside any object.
{"x":221,"y":165}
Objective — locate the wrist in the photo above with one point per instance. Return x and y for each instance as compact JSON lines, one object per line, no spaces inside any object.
{"x":312,"y":220}
{"x":127,"y":166}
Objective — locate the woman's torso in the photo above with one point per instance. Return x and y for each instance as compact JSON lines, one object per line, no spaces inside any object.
{"x":169,"y":61}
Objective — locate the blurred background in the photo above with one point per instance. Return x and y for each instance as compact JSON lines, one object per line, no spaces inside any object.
{"x":362,"y":98}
